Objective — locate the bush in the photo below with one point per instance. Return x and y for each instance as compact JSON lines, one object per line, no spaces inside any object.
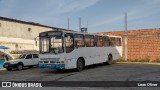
{"x":138,"y":60}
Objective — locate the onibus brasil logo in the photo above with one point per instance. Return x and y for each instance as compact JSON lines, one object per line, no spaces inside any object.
{"x":20,"y":84}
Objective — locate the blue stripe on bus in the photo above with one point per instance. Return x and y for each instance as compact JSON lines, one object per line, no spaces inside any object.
{"x":53,"y":66}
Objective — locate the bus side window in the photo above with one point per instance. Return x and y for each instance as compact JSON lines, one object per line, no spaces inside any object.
{"x":69,"y":42}
{"x":99,"y":41}
{"x":79,"y":40}
{"x":118,"y":41}
{"x":89,"y":40}
{"x":105,"y":41}
{"x":95,"y":40}
{"x":112,"y":41}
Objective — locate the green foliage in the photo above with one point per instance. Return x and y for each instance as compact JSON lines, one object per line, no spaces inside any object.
{"x":138,"y":60}
{"x":120,"y":60}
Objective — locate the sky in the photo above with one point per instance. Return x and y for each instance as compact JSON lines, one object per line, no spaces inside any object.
{"x":101,"y":15}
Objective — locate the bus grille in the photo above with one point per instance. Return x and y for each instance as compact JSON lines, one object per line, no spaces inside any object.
{"x":45,"y":61}
{"x":52,"y":61}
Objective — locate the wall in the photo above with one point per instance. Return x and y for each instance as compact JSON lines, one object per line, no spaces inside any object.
{"x":20,"y":30}
{"x":142,"y":44}
{"x":19,"y":36}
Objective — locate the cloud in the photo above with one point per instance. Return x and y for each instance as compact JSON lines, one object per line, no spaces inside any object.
{"x":74,"y":5}
{"x":49,"y":12}
{"x":53,"y":7}
{"x":6,"y":7}
{"x":141,"y":10}
{"x":109,"y":21}
{"x":43,"y":11}
{"x":149,"y":8}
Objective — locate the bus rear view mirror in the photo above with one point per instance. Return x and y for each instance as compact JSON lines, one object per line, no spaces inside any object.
{"x":35,"y":39}
{"x":36,"y":43}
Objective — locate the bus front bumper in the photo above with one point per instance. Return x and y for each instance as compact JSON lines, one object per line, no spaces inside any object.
{"x":53,"y":66}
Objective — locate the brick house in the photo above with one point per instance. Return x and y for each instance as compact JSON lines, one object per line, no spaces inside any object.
{"x":142,"y":43}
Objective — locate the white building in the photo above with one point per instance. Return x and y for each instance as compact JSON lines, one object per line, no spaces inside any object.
{"x":20,"y":36}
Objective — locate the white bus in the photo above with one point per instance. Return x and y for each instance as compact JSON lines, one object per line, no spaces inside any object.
{"x":69,"y":49}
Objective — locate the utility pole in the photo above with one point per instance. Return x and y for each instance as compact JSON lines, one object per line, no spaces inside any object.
{"x":87,"y":24}
{"x":80,"y":24}
{"x":125,"y":38}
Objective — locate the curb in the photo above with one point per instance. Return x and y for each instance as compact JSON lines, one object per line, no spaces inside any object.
{"x":2,"y":69}
{"x":138,"y":63}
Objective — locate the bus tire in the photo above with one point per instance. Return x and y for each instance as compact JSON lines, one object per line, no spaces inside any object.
{"x":80,"y":65}
{"x":109,"y":62}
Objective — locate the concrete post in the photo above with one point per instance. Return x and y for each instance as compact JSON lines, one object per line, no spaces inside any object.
{"x":125,"y":38}
{"x":125,"y":48}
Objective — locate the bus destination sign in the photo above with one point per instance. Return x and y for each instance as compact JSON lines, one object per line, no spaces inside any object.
{"x":50,"y":34}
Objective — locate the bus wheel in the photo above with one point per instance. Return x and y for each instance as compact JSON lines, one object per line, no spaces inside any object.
{"x":80,"y":65}
{"x":109,"y":62}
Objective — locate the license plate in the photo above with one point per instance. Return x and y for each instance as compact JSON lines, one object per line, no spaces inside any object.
{"x":49,"y":65}
{"x":6,"y":65}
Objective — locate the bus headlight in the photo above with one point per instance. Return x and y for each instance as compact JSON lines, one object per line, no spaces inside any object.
{"x":40,"y":61}
{"x":62,"y":61}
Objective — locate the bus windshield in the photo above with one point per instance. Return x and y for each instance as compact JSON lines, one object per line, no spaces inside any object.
{"x":52,"y":44}
{"x":56,"y":44}
{"x":44,"y":45}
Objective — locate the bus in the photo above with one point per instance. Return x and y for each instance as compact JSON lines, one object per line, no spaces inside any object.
{"x":61,"y":49}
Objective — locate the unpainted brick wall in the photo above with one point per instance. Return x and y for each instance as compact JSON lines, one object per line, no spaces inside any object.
{"x":142,"y":44}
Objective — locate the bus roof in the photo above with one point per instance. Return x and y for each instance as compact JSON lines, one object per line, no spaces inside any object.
{"x":85,"y":33}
